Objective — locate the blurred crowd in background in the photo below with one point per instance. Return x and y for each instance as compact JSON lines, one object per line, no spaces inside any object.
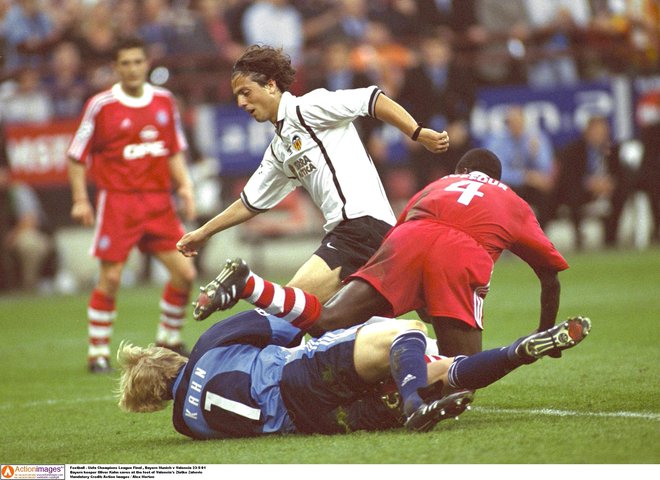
{"x":430,"y":55}
{"x":57,"y":52}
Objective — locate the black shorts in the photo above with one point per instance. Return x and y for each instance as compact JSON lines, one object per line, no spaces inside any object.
{"x":351,"y":243}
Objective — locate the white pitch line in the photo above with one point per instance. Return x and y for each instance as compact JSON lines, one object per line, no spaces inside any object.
{"x":508,"y":411}
{"x":54,"y":401}
{"x":568,"y":413}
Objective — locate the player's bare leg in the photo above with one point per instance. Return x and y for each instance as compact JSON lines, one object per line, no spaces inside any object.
{"x":388,"y":348}
{"x":355,"y":303}
{"x":315,"y":277}
{"x":455,"y":337}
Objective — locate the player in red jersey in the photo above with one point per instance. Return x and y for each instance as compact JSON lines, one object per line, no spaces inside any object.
{"x":439,"y":257}
{"x":131,"y":140}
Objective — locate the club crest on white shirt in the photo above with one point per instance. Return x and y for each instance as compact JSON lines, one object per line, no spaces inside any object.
{"x":296,"y":142}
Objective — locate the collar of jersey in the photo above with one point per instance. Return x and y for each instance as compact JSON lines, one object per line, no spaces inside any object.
{"x":134,"y":102}
{"x":287,"y":98}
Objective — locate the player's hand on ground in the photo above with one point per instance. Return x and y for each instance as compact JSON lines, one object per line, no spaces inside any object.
{"x":82,"y":212}
{"x":191,"y":242}
{"x":436,"y":142}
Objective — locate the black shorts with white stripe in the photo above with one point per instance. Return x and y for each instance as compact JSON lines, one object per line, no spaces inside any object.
{"x":351,"y":243}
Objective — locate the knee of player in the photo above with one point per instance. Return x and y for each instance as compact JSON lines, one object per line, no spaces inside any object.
{"x":413,"y":325}
{"x":190,"y":275}
{"x":185,"y":277}
{"x":110,"y":281}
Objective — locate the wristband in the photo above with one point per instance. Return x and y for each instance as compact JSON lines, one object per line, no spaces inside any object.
{"x":415,"y":134}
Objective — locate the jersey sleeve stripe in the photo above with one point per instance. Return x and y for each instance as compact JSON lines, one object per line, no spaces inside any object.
{"x":249,"y":206}
{"x":79,"y":143}
{"x":372,"y":102}
{"x":272,"y":152}
{"x":324,"y":152}
{"x":100,"y":214}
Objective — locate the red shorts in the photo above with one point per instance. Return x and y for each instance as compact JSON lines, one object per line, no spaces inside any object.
{"x":124,"y":220}
{"x":425,"y":264}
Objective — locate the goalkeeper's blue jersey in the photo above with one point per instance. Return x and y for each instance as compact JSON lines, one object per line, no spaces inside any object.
{"x":230,"y":385}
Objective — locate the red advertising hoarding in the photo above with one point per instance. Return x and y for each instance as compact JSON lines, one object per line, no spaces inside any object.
{"x":37,"y":153}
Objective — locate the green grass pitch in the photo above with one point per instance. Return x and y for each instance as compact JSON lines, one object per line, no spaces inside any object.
{"x":598,"y":404}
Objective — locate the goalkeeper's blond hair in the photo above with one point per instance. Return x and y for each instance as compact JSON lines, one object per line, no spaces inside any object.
{"x":146,"y":377}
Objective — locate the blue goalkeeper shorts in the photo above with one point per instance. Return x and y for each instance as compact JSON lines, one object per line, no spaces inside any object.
{"x":324,"y":394}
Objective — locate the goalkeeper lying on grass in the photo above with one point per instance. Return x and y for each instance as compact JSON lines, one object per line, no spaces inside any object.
{"x":248,"y":375}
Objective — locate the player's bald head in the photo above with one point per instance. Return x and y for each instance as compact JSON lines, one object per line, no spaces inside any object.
{"x":482,"y":160}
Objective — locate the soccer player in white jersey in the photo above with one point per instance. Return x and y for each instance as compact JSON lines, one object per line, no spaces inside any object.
{"x":131,"y":141}
{"x":315,"y":146}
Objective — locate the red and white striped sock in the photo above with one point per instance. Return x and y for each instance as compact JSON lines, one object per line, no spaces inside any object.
{"x":292,"y":304}
{"x":173,"y":305}
{"x":101,"y":314}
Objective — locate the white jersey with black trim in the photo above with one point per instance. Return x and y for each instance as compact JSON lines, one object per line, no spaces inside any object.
{"x":316,"y":146}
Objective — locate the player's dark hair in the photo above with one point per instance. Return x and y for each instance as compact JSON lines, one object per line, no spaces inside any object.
{"x":261,"y":63}
{"x":482,"y":160}
{"x":127,"y":43}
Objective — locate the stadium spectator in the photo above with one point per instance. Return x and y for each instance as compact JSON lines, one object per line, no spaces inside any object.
{"x":590,"y":170}
{"x":28,"y":32}
{"x":336,"y":70}
{"x":320,"y":21}
{"x":66,"y":83}
{"x":379,"y":54}
{"x":126,"y":18}
{"x":244,"y":379}
{"x":212,"y":15}
{"x":648,"y":118}
{"x":133,"y":135}
{"x":439,"y":93}
{"x":551,"y":33}
{"x":157,"y":28}
{"x":25,"y":100}
{"x":354,"y":18}
{"x":275,"y":22}
{"x":317,"y":147}
{"x":439,"y":258}
{"x":527,"y":160}
{"x":96,"y":39}
{"x":29,"y":239}
{"x":499,"y":59}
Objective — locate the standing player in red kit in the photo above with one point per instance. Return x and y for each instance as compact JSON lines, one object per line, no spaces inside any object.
{"x":438,"y":257}
{"x":131,"y":139}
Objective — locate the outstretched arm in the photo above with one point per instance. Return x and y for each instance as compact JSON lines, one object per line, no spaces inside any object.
{"x":550,"y":291}
{"x":391,"y":112}
{"x":234,"y":214}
